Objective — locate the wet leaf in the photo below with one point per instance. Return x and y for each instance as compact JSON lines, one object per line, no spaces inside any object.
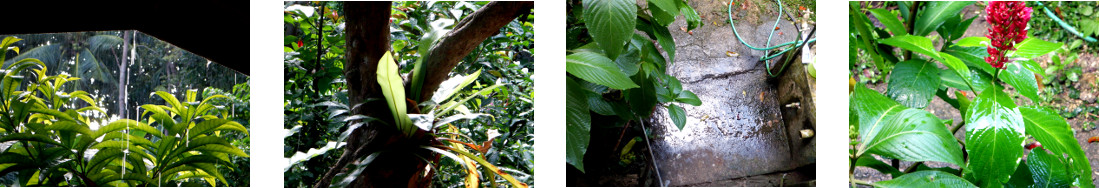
{"x":1046,"y":126}
{"x":1022,"y":79}
{"x":936,"y":13}
{"x":679,"y":117}
{"x":597,"y":69}
{"x":994,"y":137}
{"x":889,"y":129}
{"x":911,"y":83}
{"x":1032,"y":47}
{"x":928,"y":178}
{"x":578,"y":122}
{"x":615,"y":17}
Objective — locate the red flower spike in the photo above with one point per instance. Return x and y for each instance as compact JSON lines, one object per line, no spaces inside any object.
{"x":1007,"y":22}
{"x":300,"y":44}
{"x":1093,"y":139}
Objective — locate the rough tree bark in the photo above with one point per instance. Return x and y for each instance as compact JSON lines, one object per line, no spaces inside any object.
{"x":367,"y":40}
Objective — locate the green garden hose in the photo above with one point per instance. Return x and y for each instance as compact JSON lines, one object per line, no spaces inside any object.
{"x":1065,"y":25}
{"x":798,"y":43}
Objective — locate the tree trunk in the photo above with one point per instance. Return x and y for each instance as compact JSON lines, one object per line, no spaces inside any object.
{"x":122,"y":74}
{"x":401,"y":162}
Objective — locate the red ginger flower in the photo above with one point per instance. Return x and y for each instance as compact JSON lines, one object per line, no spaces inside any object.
{"x":1007,"y":25}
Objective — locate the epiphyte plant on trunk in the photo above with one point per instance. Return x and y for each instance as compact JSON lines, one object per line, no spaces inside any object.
{"x":895,"y":125}
{"x":621,"y":73}
{"x":400,"y":130}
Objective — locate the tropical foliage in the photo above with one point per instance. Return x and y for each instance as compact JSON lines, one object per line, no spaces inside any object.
{"x":1006,"y":143}
{"x":480,"y":117}
{"x":613,"y":71}
{"x":56,"y":136}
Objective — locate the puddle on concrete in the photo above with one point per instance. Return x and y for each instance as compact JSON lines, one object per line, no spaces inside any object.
{"x":738,"y":131}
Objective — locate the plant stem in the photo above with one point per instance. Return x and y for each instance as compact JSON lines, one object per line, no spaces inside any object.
{"x":860,"y":182}
{"x":910,"y":25}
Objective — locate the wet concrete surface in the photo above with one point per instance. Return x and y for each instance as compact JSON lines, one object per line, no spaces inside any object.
{"x":738,"y":131}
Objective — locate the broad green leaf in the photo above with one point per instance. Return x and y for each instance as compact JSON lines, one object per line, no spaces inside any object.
{"x":955,"y":27}
{"x":917,"y":44}
{"x":642,"y":100}
{"x":994,"y":137}
{"x":610,"y":22}
{"x":889,"y":20}
{"x":596,"y":68}
{"x":393,"y":89}
{"x":1021,"y":178}
{"x":980,"y":80}
{"x":688,"y":97}
{"x":973,"y":42}
{"x":123,"y":124}
{"x":453,"y":85}
{"x":1048,"y":170}
{"x":664,"y":37}
{"x":664,"y":11}
{"x":216,"y":124}
{"x":1022,"y":79}
{"x":69,"y":126}
{"x":29,"y":137}
{"x":1032,"y":66}
{"x":598,"y":105}
{"x":628,"y":62}
{"x":929,"y":178}
{"x":973,"y":57}
{"x":889,"y":129}
{"x":911,"y":83}
{"x":679,"y":117}
{"x":693,"y":21}
{"x":859,"y":20}
{"x":936,"y":13}
{"x":578,"y":124}
{"x":956,"y":64}
{"x":1055,"y":134}
{"x":1033,"y":47}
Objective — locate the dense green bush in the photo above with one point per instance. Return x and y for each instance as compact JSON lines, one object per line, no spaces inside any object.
{"x":1005,"y":144}
{"x":60,"y":141}
{"x":614,"y":71}
{"x":486,"y":104}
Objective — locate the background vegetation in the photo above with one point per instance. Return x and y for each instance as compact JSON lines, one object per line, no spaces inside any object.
{"x":495,"y":110}
{"x":67,"y":121}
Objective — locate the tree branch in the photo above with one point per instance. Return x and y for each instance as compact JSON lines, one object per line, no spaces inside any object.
{"x":467,"y":34}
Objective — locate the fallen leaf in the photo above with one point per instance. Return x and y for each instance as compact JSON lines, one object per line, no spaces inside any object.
{"x":761,"y":93}
{"x":731,"y":54}
{"x":1040,"y":86}
{"x":801,"y":8}
{"x":690,"y":32}
{"x":776,"y":28}
{"x":683,"y":28}
{"x":779,"y":33}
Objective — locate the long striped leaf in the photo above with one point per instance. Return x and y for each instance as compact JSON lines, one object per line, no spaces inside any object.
{"x":392,"y":88}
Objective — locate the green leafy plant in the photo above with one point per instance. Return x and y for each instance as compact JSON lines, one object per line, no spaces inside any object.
{"x":55,"y":138}
{"x":894,"y":125}
{"x":479,"y":117}
{"x":614,"y":72}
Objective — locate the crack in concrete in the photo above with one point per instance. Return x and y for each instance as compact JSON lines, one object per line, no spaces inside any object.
{"x":720,"y":76}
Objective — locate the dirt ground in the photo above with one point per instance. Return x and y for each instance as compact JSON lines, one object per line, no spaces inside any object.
{"x":1086,"y":86}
